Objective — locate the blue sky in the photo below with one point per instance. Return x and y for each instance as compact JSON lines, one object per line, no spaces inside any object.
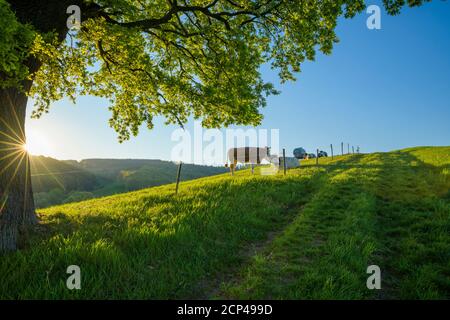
{"x":380,"y":89}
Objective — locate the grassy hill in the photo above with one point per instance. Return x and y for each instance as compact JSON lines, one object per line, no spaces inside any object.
{"x":309,"y":234}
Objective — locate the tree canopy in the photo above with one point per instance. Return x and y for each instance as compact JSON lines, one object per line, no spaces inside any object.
{"x":176,"y":58}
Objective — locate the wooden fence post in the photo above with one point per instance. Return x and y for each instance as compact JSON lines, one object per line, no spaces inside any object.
{"x":284,"y":161}
{"x":348,"y":148}
{"x":178,"y":177}
{"x":317,"y":157}
{"x":353,"y":149}
{"x":342,"y":148}
{"x":332,"y":156}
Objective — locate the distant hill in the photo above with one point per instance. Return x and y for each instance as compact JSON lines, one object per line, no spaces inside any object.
{"x":48,"y":173}
{"x":155,"y":171}
{"x":60,"y":181}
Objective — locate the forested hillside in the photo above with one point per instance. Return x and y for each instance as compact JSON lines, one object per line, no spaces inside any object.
{"x":56,"y":182}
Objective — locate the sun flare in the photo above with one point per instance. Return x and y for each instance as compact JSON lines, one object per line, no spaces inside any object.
{"x":37,"y":144}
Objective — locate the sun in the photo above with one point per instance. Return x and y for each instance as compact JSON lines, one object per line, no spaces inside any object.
{"x":37,"y":143}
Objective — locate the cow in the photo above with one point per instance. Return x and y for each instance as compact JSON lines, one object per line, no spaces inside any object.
{"x":300,"y":153}
{"x":247,"y":155}
{"x":322,"y":154}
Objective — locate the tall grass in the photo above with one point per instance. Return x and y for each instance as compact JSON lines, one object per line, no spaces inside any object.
{"x":310,"y":234}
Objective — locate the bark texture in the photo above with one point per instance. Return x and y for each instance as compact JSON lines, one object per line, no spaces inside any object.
{"x":16,"y":196}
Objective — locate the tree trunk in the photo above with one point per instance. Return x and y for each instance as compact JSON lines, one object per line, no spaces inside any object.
{"x":16,"y":197}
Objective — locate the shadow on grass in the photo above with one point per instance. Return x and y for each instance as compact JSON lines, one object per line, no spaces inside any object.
{"x":384,"y":209}
{"x":153,"y":246}
{"x":414,"y":226}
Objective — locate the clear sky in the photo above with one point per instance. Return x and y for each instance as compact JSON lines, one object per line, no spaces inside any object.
{"x":380,"y":89}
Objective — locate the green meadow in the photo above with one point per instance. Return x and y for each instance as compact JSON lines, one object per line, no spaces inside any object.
{"x":308,"y":235}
